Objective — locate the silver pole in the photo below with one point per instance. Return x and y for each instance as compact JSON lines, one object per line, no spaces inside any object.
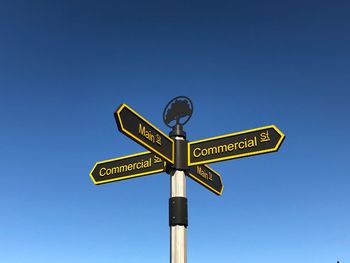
{"x":178,"y":234}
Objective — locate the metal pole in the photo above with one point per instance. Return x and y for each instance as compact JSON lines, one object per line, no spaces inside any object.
{"x":178,"y":233}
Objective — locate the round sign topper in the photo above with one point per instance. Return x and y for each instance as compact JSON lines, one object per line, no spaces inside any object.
{"x":178,"y":111}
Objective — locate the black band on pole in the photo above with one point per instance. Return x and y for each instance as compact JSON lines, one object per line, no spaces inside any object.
{"x":178,"y":211}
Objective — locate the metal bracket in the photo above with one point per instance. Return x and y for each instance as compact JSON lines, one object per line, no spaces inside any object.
{"x":179,"y":137}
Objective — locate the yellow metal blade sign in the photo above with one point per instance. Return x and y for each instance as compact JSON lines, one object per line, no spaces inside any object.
{"x":207,"y":177}
{"x":126,"y":167}
{"x":235,"y":145}
{"x":143,"y":132}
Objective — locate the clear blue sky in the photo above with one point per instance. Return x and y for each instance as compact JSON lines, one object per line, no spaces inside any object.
{"x":65,"y":66}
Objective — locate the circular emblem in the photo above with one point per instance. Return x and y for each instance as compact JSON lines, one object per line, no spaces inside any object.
{"x":178,"y":111}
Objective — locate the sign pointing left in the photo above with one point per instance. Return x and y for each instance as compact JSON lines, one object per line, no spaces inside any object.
{"x":126,"y":167}
{"x":143,"y":132}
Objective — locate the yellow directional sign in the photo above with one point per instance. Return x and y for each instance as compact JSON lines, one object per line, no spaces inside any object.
{"x":126,"y":167}
{"x":235,"y":145}
{"x":207,"y":177}
{"x":143,"y":132}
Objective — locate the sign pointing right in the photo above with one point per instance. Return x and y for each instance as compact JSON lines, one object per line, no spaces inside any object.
{"x":207,"y":177}
{"x":235,"y":145}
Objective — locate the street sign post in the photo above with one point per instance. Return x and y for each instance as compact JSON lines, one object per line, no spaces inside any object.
{"x":178,"y":157}
{"x":126,"y":167}
{"x":143,"y":132}
{"x":235,"y":145}
{"x":207,"y":177}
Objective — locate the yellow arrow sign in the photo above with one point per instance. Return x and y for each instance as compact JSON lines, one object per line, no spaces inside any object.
{"x":207,"y":177}
{"x":143,"y":132}
{"x":126,"y":167}
{"x":235,"y":145}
